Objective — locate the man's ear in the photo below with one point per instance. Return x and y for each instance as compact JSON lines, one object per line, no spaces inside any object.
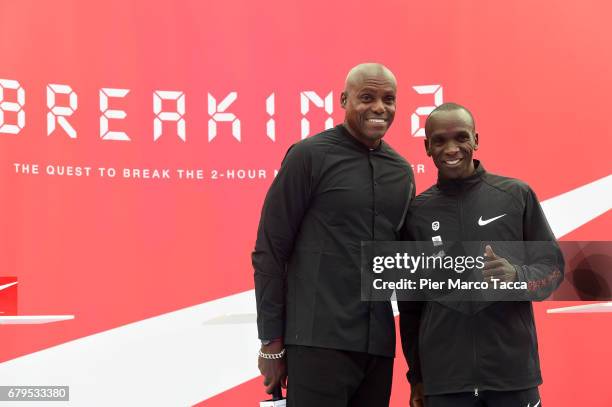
{"x":475,"y":141}
{"x":426,"y":145}
{"x":343,"y":99}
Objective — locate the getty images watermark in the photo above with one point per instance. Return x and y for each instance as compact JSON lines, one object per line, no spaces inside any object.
{"x":486,"y":271}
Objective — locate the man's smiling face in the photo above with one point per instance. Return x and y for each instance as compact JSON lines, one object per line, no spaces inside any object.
{"x":451,"y":142}
{"x":369,"y":101}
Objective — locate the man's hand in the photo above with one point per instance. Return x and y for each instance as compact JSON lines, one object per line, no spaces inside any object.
{"x":417,"y":399}
{"x":273,"y":370}
{"x":497,"y":267}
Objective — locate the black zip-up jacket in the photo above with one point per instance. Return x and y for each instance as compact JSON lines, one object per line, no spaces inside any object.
{"x":330,"y":194}
{"x":473,"y":346}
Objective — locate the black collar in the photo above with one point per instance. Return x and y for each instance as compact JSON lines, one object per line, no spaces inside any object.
{"x":358,"y":143}
{"x":456,"y":185}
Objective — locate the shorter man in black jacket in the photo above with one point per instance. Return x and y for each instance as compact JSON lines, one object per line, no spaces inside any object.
{"x":474,"y":353}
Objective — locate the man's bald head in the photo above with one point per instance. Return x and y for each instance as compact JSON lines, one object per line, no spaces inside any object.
{"x":368,"y":69}
{"x":369,"y":102}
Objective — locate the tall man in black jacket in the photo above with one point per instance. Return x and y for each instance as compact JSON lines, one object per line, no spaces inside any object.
{"x":333,"y":191}
{"x":473,"y":353}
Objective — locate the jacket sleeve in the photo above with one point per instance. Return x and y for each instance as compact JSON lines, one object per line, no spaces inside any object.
{"x":284,"y":207}
{"x":410,"y":321}
{"x":544,"y":266}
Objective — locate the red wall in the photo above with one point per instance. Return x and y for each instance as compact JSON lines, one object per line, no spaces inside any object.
{"x":117,"y":250}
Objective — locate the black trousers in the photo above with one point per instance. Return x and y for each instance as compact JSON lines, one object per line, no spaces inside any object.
{"x":319,"y":377}
{"x":518,"y":398}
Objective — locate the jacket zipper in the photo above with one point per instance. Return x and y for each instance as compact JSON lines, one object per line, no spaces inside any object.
{"x":462,"y":234}
{"x":373,"y":188}
{"x":475,"y":365}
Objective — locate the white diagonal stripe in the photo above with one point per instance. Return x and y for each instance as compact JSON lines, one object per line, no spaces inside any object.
{"x":568,"y":211}
{"x":175,"y":359}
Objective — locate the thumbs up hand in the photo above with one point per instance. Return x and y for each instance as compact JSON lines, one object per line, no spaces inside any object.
{"x":497,"y":267}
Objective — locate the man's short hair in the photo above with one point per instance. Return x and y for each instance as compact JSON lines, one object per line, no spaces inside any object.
{"x":448,"y":107}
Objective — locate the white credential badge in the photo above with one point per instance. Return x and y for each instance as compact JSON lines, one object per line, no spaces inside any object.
{"x":437,"y":242}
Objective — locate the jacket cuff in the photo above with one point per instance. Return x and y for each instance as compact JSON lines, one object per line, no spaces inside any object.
{"x":520,"y":273}
{"x":414,"y":377}
{"x":270,"y":329}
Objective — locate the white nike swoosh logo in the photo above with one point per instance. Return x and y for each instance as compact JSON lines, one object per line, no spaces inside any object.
{"x":486,"y":222}
{"x":2,"y":287}
{"x":535,"y":405}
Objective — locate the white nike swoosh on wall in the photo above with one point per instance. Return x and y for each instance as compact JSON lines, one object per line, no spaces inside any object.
{"x":583,"y":309}
{"x":173,"y":353}
{"x":482,"y":222}
{"x":569,"y":211}
{"x":2,"y":287}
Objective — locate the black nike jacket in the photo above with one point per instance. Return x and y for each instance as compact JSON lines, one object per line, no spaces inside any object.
{"x":471,"y":346}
